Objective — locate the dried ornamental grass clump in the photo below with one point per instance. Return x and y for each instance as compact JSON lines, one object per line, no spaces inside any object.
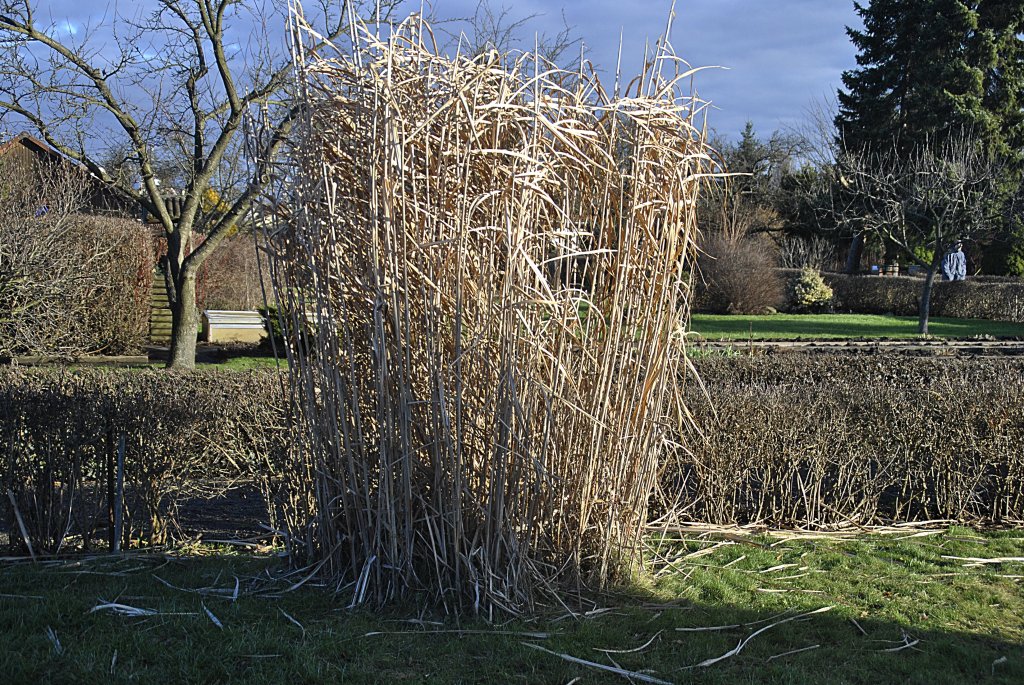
{"x":494,"y":255}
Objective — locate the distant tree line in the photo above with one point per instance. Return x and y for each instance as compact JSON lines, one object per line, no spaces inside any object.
{"x":926,"y":146}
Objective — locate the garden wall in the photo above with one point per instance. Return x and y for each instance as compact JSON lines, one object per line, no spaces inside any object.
{"x":823,"y":440}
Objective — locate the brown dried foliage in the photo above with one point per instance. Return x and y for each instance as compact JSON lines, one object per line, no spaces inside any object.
{"x":811,"y":441}
{"x":70,"y":283}
{"x":739,"y":276}
{"x":231,"y":278}
{"x":186,"y":436}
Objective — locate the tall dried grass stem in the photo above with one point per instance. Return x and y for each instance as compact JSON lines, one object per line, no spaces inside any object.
{"x":482,"y":266}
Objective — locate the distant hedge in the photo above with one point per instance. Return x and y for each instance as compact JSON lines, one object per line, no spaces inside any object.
{"x":823,"y":440}
{"x":73,"y":284}
{"x":900,"y":295}
{"x":232,"y":278}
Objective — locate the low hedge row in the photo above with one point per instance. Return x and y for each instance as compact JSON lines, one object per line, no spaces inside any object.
{"x":184,"y":436}
{"x":900,"y":295}
{"x":823,"y":440}
{"x":782,"y":440}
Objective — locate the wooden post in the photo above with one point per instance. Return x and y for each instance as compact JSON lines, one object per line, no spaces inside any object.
{"x":119,"y":496}
{"x":111,"y":488}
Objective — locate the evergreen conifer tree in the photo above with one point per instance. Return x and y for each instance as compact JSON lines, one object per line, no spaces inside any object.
{"x":934,"y":70}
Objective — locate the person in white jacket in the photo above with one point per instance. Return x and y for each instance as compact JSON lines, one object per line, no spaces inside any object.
{"x":954,"y":263}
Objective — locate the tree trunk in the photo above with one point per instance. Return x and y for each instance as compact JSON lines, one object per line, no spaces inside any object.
{"x":926,"y":301}
{"x":853,"y":256}
{"x":184,"y":323}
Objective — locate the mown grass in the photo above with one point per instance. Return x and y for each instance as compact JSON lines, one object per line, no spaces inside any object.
{"x":246,"y":363}
{"x":839,"y":326}
{"x":768,"y":327}
{"x":966,"y":624}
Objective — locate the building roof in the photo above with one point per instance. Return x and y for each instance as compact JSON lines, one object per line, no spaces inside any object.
{"x":29,"y":141}
{"x":31,"y":156}
{"x":102,"y":197}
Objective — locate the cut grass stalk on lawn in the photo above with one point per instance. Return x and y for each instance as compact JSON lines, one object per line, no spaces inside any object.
{"x":843,"y":326}
{"x":908,"y":607}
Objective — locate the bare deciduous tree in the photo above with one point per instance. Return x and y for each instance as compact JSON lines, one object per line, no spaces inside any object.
{"x":497,"y":28}
{"x":815,"y":253}
{"x":171,"y":82}
{"x":919,"y":204}
{"x":745,"y":198}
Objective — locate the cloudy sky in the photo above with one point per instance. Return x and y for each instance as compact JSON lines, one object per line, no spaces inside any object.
{"x":781,"y":55}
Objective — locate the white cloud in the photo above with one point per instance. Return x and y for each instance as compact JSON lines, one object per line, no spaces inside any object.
{"x":65,"y":27}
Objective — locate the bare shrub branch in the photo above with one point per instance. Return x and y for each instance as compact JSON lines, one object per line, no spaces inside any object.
{"x":739,"y":275}
{"x":70,"y":283}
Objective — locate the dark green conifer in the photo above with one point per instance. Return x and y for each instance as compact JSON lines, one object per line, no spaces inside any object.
{"x":929,"y":71}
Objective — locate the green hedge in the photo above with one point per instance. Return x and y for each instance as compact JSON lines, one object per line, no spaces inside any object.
{"x":823,"y":440}
{"x":185,"y":436}
{"x":900,"y":295}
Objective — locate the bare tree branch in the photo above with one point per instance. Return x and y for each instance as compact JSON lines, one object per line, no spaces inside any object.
{"x":170,"y":94}
{"x":921,"y":203}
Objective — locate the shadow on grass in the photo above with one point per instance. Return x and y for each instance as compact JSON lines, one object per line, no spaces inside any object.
{"x":49,"y":634}
{"x":240,"y":357}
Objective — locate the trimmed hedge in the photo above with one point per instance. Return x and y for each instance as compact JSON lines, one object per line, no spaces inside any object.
{"x":186,"y":436}
{"x":232,"y":279}
{"x":75,"y":284}
{"x":823,"y":440}
{"x":783,"y":440}
{"x":900,"y":295}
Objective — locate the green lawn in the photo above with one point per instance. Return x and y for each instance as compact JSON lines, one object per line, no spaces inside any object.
{"x":243,"y":363}
{"x":898,"y":611}
{"x":774,"y":326}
